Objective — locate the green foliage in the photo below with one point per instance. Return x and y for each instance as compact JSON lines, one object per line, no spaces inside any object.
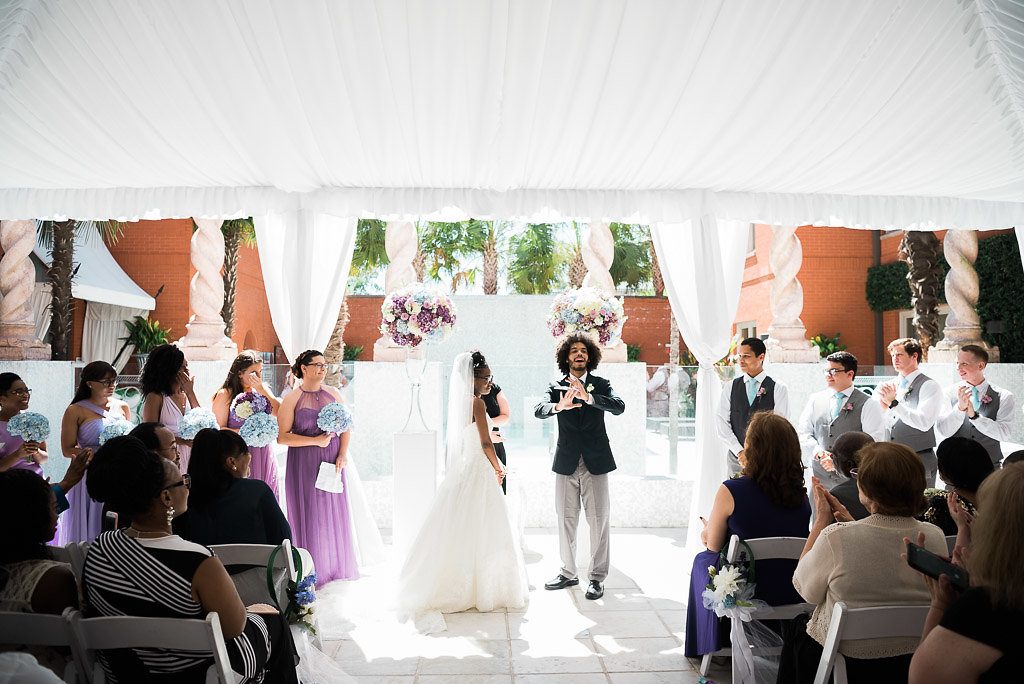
{"x":352,"y":352}
{"x":369,"y":254}
{"x":887,"y":288}
{"x":537,"y":262}
{"x":145,"y":335}
{"x":827,"y":345}
{"x":633,"y":352}
{"x":243,"y":228}
{"x":1002,"y":281}
{"x":631,"y":265}
{"x":447,"y":246}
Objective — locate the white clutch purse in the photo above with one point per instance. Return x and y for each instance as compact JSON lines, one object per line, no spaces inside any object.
{"x":329,"y":479}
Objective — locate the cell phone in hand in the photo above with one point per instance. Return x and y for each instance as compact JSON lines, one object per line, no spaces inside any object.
{"x":109,"y":522}
{"x":926,"y":562}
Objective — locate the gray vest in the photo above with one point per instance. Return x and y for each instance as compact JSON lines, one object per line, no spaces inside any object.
{"x":827,"y":430}
{"x":918,"y":440}
{"x":968,"y":430}
{"x":740,"y":411}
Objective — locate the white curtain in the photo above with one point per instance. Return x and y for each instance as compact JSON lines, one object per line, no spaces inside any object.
{"x":306,"y":258}
{"x":41,"y":309}
{"x":103,"y":330}
{"x":1019,"y":230}
{"x":702,"y":264}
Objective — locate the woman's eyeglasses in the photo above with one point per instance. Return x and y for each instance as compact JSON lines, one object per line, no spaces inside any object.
{"x":487,"y":378}
{"x":25,"y":392}
{"x":106,"y":383}
{"x":186,"y":482}
{"x":318,"y":366}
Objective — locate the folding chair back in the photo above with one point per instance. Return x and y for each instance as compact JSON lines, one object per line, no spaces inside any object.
{"x":76,"y":553}
{"x":36,"y":629}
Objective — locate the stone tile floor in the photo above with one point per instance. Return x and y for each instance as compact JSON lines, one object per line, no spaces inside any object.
{"x":631,"y":636}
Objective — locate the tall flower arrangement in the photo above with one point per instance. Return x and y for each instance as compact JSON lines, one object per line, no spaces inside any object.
{"x":415,"y":314}
{"x":587,"y":310}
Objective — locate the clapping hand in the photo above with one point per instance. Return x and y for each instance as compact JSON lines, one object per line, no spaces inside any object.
{"x":886,"y":393}
{"x":958,"y":513}
{"x":963,"y":400}
{"x":827,"y":506}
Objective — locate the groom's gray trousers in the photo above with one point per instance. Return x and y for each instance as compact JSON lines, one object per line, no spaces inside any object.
{"x":592,"y":490}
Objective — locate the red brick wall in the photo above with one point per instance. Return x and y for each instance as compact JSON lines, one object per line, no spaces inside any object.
{"x":253,"y":326}
{"x":363,"y":323}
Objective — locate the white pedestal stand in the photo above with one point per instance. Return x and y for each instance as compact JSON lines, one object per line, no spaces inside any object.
{"x":415,"y":472}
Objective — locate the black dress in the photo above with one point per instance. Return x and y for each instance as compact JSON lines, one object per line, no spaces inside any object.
{"x":493,"y":411}
{"x":247,"y":512}
{"x":974,"y":616}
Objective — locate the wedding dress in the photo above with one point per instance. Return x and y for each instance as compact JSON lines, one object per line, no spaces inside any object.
{"x":466,"y":554}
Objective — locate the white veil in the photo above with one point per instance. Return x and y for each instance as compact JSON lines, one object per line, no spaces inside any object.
{"x":460,"y":407}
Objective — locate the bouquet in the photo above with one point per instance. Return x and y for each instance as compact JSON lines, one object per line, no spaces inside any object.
{"x":415,"y":313}
{"x":301,"y":597}
{"x":248,"y":404}
{"x":587,"y":310}
{"x":195,"y":420}
{"x":30,"y":426}
{"x":730,"y":595}
{"x":259,"y":430}
{"x":116,"y":427}
{"x":335,"y":417}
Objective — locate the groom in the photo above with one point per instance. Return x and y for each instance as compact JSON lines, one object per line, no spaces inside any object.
{"x":583,"y":457}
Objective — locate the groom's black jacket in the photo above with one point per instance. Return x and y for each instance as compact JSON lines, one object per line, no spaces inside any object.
{"x":581,"y":430}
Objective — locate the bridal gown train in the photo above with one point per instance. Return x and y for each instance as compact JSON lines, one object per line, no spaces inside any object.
{"x":466,"y":554}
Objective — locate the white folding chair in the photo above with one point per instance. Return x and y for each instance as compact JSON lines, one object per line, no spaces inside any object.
{"x":37,"y":629}
{"x":764,"y":548}
{"x":75,"y":553}
{"x":257,"y":555}
{"x":950,"y":543}
{"x":106,"y":633}
{"x":847,"y":624}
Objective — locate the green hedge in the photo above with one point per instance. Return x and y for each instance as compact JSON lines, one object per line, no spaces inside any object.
{"x":887,"y":288}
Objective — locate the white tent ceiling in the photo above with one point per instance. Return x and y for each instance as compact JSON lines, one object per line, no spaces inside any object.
{"x":869,"y":113}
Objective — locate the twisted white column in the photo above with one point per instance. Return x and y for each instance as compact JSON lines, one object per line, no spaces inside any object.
{"x":963,"y":324}
{"x":787,"y":336}
{"x":401,"y":244}
{"x":17,"y":280}
{"x":205,"y":339}
{"x":598,"y":253}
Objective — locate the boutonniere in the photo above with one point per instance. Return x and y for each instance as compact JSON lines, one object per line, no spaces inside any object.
{"x":590,"y":388}
{"x":985,"y":399}
{"x":848,"y":407}
{"x":761,"y":391}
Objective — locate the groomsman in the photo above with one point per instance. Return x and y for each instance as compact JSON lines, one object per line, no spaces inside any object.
{"x":913,"y":404}
{"x":978,"y":410}
{"x":752,"y":391}
{"x":836,"y":410}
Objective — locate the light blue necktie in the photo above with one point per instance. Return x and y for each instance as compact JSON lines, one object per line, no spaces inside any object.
{"x":751,"y":390}
{"x":975,"y":398}
{"x":839,"y":405}
{"x":903,"y":383}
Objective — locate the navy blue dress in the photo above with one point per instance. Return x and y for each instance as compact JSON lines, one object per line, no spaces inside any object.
{"x":754,"y":515}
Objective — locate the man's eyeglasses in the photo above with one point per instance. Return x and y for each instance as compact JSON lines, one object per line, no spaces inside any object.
{"x":186,"y":482}
{"x":832,"y":372}
{"x":106,"y":383}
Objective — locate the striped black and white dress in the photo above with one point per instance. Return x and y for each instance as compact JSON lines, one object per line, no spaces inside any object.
{"x":153,"y":578}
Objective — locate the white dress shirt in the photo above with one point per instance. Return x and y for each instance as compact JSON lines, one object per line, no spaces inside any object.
{"x":931,"y":405}
{"x":722,"y":425}
{"x":871,"y":420}
{"x":953,"y":418}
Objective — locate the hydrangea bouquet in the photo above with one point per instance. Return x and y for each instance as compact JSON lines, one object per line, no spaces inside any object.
{"x":417,"y":313}
{"x":335,"y":417}
{"x":587,"y":310}
{"x":259,"y":430}
{"x":195,"y":420}
{"x":30,"y":426}
{"x":248,"y":404}
{"x":301,"y":597}
{"x":115,"y":427}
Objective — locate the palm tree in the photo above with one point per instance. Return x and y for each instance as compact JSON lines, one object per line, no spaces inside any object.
{"x":494,"y":231}
{"x":631,"y":265}
{"x":537,"y":262}
{"x":447,"y":246}
{"x":657,"y":281}
{"x":922,"y":250}
{"x":237,"y":232}
{"x":577,"y":268}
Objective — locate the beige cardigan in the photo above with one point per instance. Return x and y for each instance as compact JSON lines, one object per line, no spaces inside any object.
{"x":859,"y":563}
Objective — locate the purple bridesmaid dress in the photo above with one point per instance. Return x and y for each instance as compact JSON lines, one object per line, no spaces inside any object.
{"x":9,"y":444}
{"x":84,"y":519}
{"x":320,"y":521}
{"x":263,"y":466}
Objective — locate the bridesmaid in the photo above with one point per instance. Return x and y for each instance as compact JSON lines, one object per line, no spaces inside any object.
{"x":499,"y":413}
{"x":246,"y":375}
{"x":168,"y":392}
{"x":94,"y":405}
{"x":15,"y":453}
{"x":321,"y":521}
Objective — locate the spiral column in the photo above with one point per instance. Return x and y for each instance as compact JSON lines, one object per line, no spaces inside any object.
{"x":963,"y":324}
{"x":17,"y":279}
{"x":598,"y":251}
{"x":402,"y":245}
{"x":787,"y":337}
{"x":205,"y":339}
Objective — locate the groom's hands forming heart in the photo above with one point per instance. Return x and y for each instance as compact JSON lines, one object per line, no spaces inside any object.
{"x":566,"y":402}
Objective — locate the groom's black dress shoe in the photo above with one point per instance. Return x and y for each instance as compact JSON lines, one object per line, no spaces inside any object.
{"x":561,"y":582}
{"x":594,"y":591}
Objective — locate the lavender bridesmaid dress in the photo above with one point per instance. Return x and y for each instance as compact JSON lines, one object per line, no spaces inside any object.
{"x":263,"y":466}
{"x":9,"y":444}
{"x":321,"y":521}
{"x":170,"y":416}
{"x":84,"y":519}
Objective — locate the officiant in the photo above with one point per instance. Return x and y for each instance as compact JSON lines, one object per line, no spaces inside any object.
{"x":498,"y":414}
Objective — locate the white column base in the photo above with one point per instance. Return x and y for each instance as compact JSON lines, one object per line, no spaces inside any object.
{"x":945,"y":352}
{"x":385,"y":350}
{"x":415,"y":472}
{"x":614,"y":354}
{"x":789,"y":344}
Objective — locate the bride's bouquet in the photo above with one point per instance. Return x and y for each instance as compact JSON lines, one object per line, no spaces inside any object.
{"x":587,"y":310}
{"x":259,"y":428}
{"x":417,"y":313}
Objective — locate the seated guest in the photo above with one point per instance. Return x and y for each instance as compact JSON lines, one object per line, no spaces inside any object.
{"x":976,"y":636}
{"x":858,"y":562}
{"x":147,"y":571}
{"x":1015,"y":457}
{"x":844,"y":455}
{"x":159,"y":438}
{"x":30,"y":580}
{"x":225,"y":505}
{"x":767,"y":500}
{"x":963,"y":464}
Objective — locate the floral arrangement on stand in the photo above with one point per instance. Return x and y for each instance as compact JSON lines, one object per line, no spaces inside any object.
{"x":116,"y":427}
{"x":259,"y":428}
{"x":334,"y":417}
{"x":30,"y":426}
{"x":587,"y":310}
{"x":415,"y":314}
{"x":195,"y":420}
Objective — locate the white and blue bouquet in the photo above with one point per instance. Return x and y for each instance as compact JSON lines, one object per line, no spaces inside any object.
{"x":259,"y":429}
{"x":115,"y":427}
{"x":335,"y":417}
{"x":302,"y":596}
{"x":195,"y":420}
{"x":30,"y":426}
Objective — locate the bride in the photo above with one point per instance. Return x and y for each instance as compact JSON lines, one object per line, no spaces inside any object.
{"x":465,"y":555}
